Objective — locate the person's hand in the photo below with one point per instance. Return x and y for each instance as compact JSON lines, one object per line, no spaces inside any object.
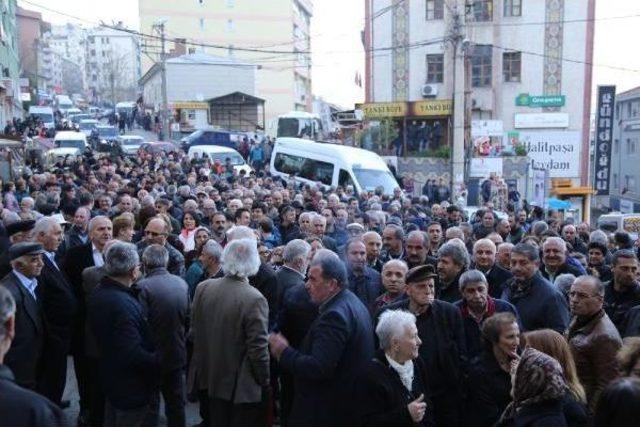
{"x":515,"y":360}
{"x":277,"y":344}
{"x":417,"y":408}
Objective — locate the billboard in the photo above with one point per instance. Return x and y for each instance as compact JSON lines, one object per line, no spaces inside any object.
{"x":556,"y":152}
{"x":603,"y":139}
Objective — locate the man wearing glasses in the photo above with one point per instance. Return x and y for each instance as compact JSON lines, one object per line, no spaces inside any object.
{"x":593,"y":338}
{"x":156,"y":232}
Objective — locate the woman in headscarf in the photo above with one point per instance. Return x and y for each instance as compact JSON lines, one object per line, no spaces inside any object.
{"x":538,"y":388}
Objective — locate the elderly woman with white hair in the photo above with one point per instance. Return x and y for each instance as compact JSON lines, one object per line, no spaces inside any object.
{"x":391,"y":389}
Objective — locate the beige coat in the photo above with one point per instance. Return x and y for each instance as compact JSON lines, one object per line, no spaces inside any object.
{"x":229,"y":330}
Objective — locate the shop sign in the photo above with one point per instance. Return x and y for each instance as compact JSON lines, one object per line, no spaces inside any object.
{"x":557,"y":152}
{"x":486,"y":128}
{"x":379,"y":110}
{"x":188,"y":105}
{"x":626,"y":206}
{"x":433,"y":107}
{"x":483,"y":167}
{"x":604,"y":134}
{"x":540,"y":101}
{"x":541,"y":120}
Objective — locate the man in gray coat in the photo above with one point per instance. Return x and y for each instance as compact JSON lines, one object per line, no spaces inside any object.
{"x":166,"y":300}
{"x":229,"y":328}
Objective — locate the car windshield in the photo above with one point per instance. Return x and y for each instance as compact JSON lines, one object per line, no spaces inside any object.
{"x":69,"y":143}
{"x":236,"y":159}
{"x":195,"y":135}
{"x":107,"y":131}
{"x":87,"y":126}
{"x":45,"y":117}
{"x":370,"y":179}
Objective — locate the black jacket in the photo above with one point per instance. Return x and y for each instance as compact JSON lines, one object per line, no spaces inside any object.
{"x":265,"y":282}
{"x":444,"y":352}
{"x":21,"y":407}
{"x":542,"y":414}
{"x":565,"y":268}
{"x":128,"y":367}
{"x":289,"y":233}
{"x":497,"y":278}
{"x":286,"y":278}
{"x":618,"y":304}
{"x":489,"y":390}
{"x":381,"y":398}
{"x":324,"y":368}
{"x":296,"y":314}
{"x":24,"y":356}
{"x":540,"y":306}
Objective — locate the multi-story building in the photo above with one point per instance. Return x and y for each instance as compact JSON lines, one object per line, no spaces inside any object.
{"x":9,"y":62}
{"x":624,"y":187}
{"x":69,"y":42}
{"x":113,"y":64}
{"x":524,"y":63}
{"x":31,"y":29}
{"x":284,"y":79}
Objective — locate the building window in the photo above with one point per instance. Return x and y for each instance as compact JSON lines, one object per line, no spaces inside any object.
{"x":481,"y":66}
{"x":192,"y":50}
{"x":511,"y":66}
{"x":482,"y":10}
{"x":512,"y":7}
{"x":630,"y":183}
{"x":435,"y":10}
{"x":614,"y":184}
{"x":435,"y":68}
{"x":202,"y":23}
{"x":616,"y":146}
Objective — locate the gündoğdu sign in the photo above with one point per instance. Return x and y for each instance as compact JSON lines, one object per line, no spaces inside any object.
{"x":557,"y":152}
{"x":604,"y":134}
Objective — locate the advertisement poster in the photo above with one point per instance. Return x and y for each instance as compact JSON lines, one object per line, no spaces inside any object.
{"x":556,"y":152}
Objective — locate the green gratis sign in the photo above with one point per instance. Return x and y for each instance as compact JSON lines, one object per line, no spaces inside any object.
{"x":533,"y":101}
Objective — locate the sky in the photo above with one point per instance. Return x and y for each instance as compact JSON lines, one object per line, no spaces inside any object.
{"x":338,"y":52}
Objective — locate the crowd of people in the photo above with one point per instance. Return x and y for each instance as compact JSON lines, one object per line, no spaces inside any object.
{"x":268,"y":302}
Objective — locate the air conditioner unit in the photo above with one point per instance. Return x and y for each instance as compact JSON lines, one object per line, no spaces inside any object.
{"x":429,"y":91}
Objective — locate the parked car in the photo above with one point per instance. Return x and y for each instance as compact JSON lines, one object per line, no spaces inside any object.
{"x":156,"y":147}
{"x":216,"y":152}
{"x":130,"y":144}
{"x":87,"y":126}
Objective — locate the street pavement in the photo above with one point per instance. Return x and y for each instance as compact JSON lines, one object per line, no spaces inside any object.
{"x":71,"y":394}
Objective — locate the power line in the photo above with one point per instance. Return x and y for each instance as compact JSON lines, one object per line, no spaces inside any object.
{"x":574,"y":61}
{"x":566,"y":21}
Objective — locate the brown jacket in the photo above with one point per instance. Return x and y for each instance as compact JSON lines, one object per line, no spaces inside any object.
{"x":229,"y":330}
{"x":594,"y":346}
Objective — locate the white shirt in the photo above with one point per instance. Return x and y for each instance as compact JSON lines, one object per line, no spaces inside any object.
{"x":52,"y":258}
{"x":29,"y":284}
{"x":98,"y":260}
{"x":405,"y":371}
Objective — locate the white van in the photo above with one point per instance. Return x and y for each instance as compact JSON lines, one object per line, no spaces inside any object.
{"x":45,"y":114}
{"x":331,"y":165}
{"x":220,"y":153}
{"x":616,"y":221}
{"x":70,"y":142}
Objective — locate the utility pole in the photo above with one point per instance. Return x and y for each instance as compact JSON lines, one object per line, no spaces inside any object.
{"x":160,"y":28}
{"x":458,"y":119}
{"x":36,"y":47}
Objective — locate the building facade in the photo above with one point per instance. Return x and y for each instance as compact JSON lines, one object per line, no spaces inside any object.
{"x":625,"y":154}
{"x":523,"y":63}
{"x":266,"y":28}
{"x":31,"y":29}
{"x":113,"y":65}
{"x":69,"y":42}
{"x":9,"y":62}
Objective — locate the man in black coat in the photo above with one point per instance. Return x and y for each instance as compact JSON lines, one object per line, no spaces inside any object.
{"x":622,"y":293}
{"x":74,"y":263}
{"x":364,"y":281}
{"x":339,"y":342}
{"x":539,"y":304}
{"x":554,"y":259}
{"x":484,"y":259}
{"x":17,"y":232}
{"x":443,"y":346}
{"x":295,"y":261}
{"x":453,"y":260}
{"x":128,"y":366}
{"x":59,"y":309}
{"x":18,"y":406}
{"x":24,"y":356}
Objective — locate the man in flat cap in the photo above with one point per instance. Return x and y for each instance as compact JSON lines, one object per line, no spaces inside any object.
{"x":19,"y":231}
{"x":443,"y":341}
{"x":24,"y":356}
